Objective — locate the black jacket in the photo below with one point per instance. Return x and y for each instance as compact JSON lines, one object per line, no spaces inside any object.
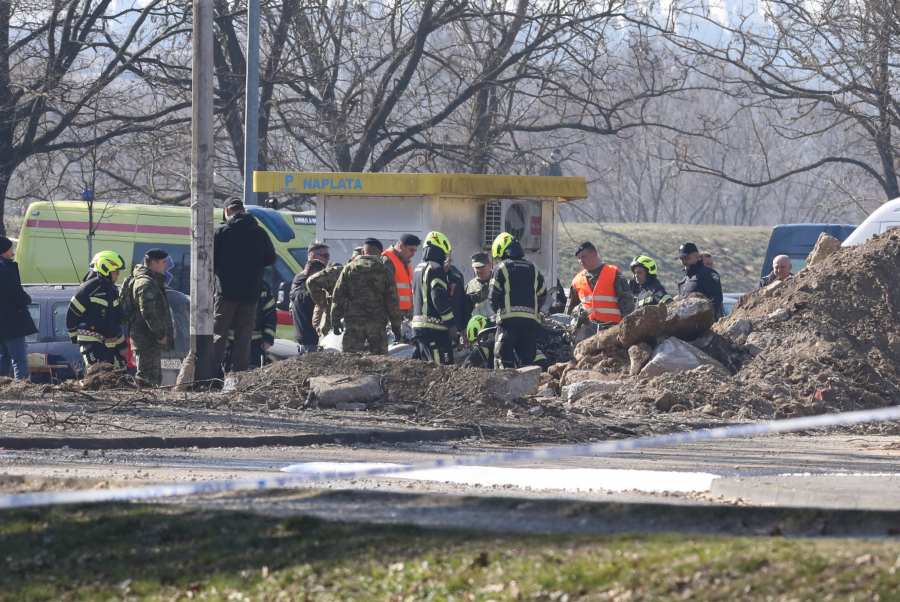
{"x":517,"y":287}
{"x":242,"y":250}
{"x":652,"y":292}
{"x":460,"y":302}
{"x":95,"y":315}
{"x":703,"y":280}
{"x":767,"y":280}
{"x":302,"y":308}
{"x":432,"y":307}
{"x":15,"y":319}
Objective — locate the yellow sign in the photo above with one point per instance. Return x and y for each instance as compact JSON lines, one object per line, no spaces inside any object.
{"x":467,"y":185}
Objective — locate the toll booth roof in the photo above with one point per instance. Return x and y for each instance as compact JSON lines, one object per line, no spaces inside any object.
{"x":463,"y":185}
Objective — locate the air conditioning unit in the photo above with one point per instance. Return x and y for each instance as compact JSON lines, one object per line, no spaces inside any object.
{"x":522,"y":219}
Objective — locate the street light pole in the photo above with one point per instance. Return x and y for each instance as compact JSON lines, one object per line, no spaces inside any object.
{"x":251,"y":102}
{"x":202,"y":187}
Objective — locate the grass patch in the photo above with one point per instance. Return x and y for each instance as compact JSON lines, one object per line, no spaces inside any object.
{"x":128,"y":552}
{"x":738,"y":251}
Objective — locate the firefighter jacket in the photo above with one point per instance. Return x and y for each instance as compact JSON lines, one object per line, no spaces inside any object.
{"x":601,"y":301}
{"x":402,"y":273}
{"x":517,"y":287}
{"x":700,"y":279}
{"x":652,"y":292}
{"x":94,"y":314}
{"x":432,"y":306}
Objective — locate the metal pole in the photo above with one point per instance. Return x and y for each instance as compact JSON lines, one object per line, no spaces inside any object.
{"x":202,"y":182}
{"x":251,"y":102}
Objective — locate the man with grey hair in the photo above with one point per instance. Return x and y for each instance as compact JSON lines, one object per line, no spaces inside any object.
{"x":781,"y":269}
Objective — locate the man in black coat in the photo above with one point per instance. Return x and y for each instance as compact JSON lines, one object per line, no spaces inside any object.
{"x":15,"y":319}
{"x":303,"y":306}
{"x":698,"y":278}
{"x":242,"y":250}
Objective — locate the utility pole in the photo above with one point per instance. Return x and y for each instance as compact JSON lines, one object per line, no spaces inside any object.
{"x":202,"y":182}
{"x":251,"y":103}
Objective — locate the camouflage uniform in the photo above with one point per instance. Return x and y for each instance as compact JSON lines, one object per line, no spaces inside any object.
{"x":153,"y":323}
{"x":366,"y":298}
{"x":321,"y":287}
{"x":478,"y":290}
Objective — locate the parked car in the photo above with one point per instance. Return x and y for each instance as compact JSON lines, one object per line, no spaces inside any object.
{"x":886,"y":216}
{"x":797,"y":242}
{"x":53,"y":357}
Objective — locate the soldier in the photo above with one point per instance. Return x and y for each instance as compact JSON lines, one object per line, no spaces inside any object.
{"x":478,"y":287}
{"x":601,"y":289}
{"x":365,"y":297}
{"x":645,"y":285}
{"x":433,"y":324}
{"x":699,"y":279}
{"x":517,"y":294}
{"x":397,"y":259}
{"x":151,"y":327}
{"x":94,"y":318}
{"x":321,"y":287}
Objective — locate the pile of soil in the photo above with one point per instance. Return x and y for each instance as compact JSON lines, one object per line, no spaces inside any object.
{"x":102,"y":377}
{"x":825,"y":340}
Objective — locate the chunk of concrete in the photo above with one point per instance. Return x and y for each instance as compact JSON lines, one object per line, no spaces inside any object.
{"x":603,"y":340}
{"x":642,"y":326}
{"x":739,"y":330}
{"x":580,"y":389}
{"x":332,"y":390}
{"x":639,"y":356}
{"x":674,"y":355}
{"x":512,"y":384}
{"x":825,"y":246}
{"x":688,"y":318}
{"x":576,"y":376}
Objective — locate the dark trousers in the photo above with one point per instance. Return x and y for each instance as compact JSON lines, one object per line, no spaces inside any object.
{"x":239,"y":317}
{"x":516,"y":338}
{"x":434,"y":345}
{"x":98,"y":353}
{"x":258,"y":357}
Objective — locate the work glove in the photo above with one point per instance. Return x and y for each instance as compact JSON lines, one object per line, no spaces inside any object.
{"x":454,"y":334}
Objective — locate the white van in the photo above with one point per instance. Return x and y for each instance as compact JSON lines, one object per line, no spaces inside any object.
{"x":886,"y":216}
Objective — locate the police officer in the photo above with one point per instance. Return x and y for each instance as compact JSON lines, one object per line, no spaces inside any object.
{"x":478,"y":287}
{"x":151,"y":327}
{"x":645,"y":286}
{"x":601,"y":289}
{"x":698,"y":278}
{"x":365,"y":297}
{"x":516,"y":296}
{"x":94,"y":318}
{"x":432,"y":320}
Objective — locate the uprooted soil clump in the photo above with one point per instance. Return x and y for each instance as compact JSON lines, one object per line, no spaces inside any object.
{"x":825,"y":340}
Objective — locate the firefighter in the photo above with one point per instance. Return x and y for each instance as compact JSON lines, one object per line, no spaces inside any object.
{"x":602,"y":290}
{"x":516,"y":296}
{"x":645,"y":286}
{"x":432,"y":322}
{"x":482,"y":353}
{"x":94,"y":317}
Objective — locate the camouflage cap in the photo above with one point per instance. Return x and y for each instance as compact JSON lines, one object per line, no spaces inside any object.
{"x":480,"y":260}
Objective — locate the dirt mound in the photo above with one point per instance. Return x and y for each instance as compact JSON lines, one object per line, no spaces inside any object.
{"x":102,"y":377}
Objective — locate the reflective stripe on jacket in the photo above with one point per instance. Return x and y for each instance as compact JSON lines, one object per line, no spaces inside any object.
{"x":602,"y":303}
{"x":403,"y":278}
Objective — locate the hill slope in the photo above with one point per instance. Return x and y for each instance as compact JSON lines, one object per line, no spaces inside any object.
{"x":738,"y":251}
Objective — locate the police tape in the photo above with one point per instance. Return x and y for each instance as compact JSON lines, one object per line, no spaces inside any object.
{"x":20,"y":500}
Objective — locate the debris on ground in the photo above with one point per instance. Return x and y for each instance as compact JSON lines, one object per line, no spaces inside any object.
{"x":101,"y":377}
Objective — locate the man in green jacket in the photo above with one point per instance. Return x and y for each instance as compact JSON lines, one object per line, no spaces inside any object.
{"x":151,"y":327}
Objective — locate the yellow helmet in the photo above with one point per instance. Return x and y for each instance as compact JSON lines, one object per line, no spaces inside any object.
{"x":501,"y":243}
{"x":436,"y":239}
{"x":646,"y":262}
{"x":476,"y":325}
{"x":106,"y":262}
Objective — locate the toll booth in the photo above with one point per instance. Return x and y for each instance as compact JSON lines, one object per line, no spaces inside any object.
{"x":471,"y":210}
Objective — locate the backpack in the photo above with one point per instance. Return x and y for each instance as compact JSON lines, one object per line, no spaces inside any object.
{"x":127,"y":303}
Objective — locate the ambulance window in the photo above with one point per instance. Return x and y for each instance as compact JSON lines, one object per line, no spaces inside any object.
{"x":35,"y":310}
{"x":299,"y":256}
{"x":278,"y":273}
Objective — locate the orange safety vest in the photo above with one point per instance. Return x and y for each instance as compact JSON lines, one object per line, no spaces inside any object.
{"x":403,"y":278}
{"x":602,"y":303}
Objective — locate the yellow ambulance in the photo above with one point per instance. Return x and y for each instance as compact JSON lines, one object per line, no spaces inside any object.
{"x":53,"y":244}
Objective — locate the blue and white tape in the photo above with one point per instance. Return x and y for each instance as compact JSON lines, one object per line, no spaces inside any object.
{"x":290,"y":477}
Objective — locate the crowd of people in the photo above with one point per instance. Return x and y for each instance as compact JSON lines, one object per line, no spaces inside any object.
{"x":377,"y":288}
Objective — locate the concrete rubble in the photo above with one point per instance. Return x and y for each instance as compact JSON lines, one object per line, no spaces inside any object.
{"x":674,"y":355}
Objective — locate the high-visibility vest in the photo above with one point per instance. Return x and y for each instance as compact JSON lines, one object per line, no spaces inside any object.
{"x":602,"y":303}
{"x":403,"y":278}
